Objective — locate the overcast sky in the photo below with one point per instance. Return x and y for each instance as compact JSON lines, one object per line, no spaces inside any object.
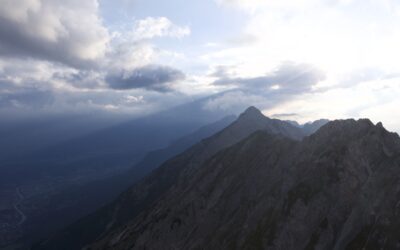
{"x":300,"y":60}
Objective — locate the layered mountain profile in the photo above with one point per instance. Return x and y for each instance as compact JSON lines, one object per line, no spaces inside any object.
{"x":311,"y":127}
{"x":336,"y":189}
{"x":82,"y":199}
{"x":65,"y":146}
{"x":154,"y":158}
{"x":57,"y":168}
{"x":143,"y":194}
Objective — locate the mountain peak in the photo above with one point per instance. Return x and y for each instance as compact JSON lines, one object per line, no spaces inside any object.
{"x":252,"y":109}
{"x":252,"y":112}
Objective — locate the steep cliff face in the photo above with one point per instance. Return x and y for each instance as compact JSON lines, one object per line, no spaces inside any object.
{"x":141,"y":196}
{"x":336,"y":189}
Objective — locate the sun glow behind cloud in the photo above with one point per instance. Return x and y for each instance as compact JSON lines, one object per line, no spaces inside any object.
{"x":337,"y":36}
{"x":354,"y":42}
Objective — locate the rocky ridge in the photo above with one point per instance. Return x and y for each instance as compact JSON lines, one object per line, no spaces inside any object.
{"x":336,"y":189}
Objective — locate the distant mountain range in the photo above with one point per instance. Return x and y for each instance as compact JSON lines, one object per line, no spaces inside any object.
{"x":60,"y":145}
{"x":79,"y":198}
{"x":310,"y":127}
{"x":66,"y":166}
{"x":143,"y":195}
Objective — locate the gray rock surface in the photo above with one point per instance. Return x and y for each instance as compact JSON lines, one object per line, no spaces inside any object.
{"x":336,"y":189}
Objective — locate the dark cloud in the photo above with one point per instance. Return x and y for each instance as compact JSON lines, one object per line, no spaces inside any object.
{"x":290,"y":77}
{"x":152,"y":77}
{"x":81,"y":79}
{"x":50,"y":30}
{"x":58,"y":55}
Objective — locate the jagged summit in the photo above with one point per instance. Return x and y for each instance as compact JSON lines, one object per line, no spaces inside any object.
{"x":347,"y":126}
{"x":343,"y":133}
{"x":252,"y":113}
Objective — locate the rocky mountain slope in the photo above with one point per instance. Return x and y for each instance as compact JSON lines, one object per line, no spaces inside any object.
{"x":336,"y":189}
{"x":142,"y":195}
{"x":155,"y":158}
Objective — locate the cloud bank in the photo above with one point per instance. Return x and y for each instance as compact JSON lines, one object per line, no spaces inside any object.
{"x":305,"y":57}
{"x":150,"y":77}
{"x":289,"y":77}
{"x":62,"y":55}
{"x":69,"y":32}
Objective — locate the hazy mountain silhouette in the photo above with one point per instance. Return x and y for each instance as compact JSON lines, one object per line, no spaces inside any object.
{"x":65,"y":178}
{"x":311,"y":127}
{"x":116,"y":145}
{"x":24,"y":136}
{"x":79,"y":200}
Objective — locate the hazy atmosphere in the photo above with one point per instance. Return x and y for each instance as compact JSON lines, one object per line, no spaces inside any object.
{"x":201,"y":124}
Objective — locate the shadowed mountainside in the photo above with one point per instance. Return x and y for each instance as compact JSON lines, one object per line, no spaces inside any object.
{"x":142,"y":195}
{"x":337,"y":189}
